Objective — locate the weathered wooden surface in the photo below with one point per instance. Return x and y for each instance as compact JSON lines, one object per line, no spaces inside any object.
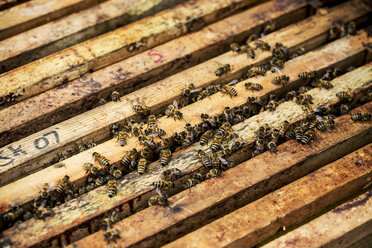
{"x":19,"y":192}
{"x":71,"y":63}
{"x":339,"y":227}
{"x":94,"y":124}
{"x":283,"y":167}
{"x":287,"y":206}
{"x":58,"y":104}
{"x":75,"y":28}
{"x":37,"y":12}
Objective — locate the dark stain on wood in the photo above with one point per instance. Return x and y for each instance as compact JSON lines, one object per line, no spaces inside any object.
{"x":356,"y":203}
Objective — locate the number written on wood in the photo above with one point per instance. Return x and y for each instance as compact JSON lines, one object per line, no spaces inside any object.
{"x":9,"y":154}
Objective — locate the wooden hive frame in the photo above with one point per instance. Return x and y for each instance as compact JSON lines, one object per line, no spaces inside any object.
{"x":50,"y":89}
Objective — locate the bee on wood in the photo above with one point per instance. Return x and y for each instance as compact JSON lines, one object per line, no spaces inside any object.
{"x":172,"y":110}
{"x":270,"y":27}
{"x":157,"y":200}
{"x":171,"y":174}
{"x":161,"y":184}
{"x":152,"y":122}
{"x":263,"y":130}
{"x":271,"y":106}
{"x":253,"y":86}
{"x":44,"y":193}
{"x":283,"y":128}
{"x":198,"y":176}
{"x":115,"y":96}
{"x":251,"y":38}
{"x":136,"y":128}
{"x":351,"y":28}
{"x":204,"y":159}
{"x":111,"y":235}
{"x":178,"y":138}
{"x":344,"y":109}
{"x":122,"y":138}
{"x":90,"y":186}
{"x":290,"y":95}
{"x":107,"y":222}
{"x":283,"y":79}
{"x":142,"y":109}
{"x":235,"y":47}
{"x":323,"y":110}
{"x":275,"y":133}
{"x":334,"y":32}
{"x":259,"y":147}
{"x":250,"y":51}
{"x":345,"y":95}
{"x":191,"y":182}
{"x":252,"y":99}
{"x":100,"y":181}
{"x":325,"y":84}
{"x":111,"y":188}
{"x":222,"y":70}
{"x":360,"y":116}
{"x":307,"y":136}
{"x":100,"y":159}
{"x":141,"y":167}
{"x":298,"y":132}
{"x":114,"y":129}
{"x":165,"y":156}
{"x":13,"y":215}
{"x":262,"y":45}
{"x":63,"y":184}
{"x":205,"y":137}
{"x":236,"y":144}
{"x":226,"y":89}
{"x":102,"y":101}
{"x":129,"y":157}
{"x":213,"y":173}
{"x":304,"y":99}
{"x":271,"y":146}
{"x":190,"y":89}
{"x":43,"y":212}
{"x":307,"y":74}
{"x":255,"y":71}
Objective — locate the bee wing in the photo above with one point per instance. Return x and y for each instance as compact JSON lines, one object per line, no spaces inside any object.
{"x":232,"y":142}
{"x":223,"y":161}
{"x":319,"y":118}
{"x":196,"y":90}
{"x":159,"y":192}
{"x":153,"y":135}
{"x":175,"y":104}
{"x":277,"y":70}
{"x":233,"y":82}
{"x":102,"y":191}
{"x":51,"y":186}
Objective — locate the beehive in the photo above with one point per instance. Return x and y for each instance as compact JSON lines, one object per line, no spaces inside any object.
{"x":59,"y":58}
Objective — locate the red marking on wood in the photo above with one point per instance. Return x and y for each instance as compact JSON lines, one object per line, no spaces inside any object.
{"x":152,"y":52}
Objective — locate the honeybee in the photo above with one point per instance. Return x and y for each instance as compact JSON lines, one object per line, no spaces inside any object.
{"x":307,"y":136}
{"x":217,"y":141}
{"x":307,"y":74}
{"x":161,"y":184}
{"x":165,"y":156}
{"x":344,"y":109}
{"x":141,"y":167}
{"x":345,"y":95}
{"x":325,"y":84}
{"x":136,"y":128}
{"x":304,"y":99}
{"x":334,"y":32}
{"x":100,"y":181}
{"x":235,"y":47}
{"x":111,"y":235}
{"x":205,"y":137}
{"x":224,"y":128}
{"x":63,"y":184}
{"x":280,"y":52}
{"x":100,"y":159}
{"x":102,"y":101}
{"x":90,"y":186}
{"x":204,"y":159}
{"x":157,"y":200}
{"x":142,"y":109}
{"x":152,"y":122}
{"x":222,"y":70}
{"x":270,"y":27}
{"x":190,"y":89}
{"x":251,"y":38}
{"x":250,"y":51}
{"x":322,"y":109}
{"x":283,"y":79}
{"x":351,"y":28}
{"x":114,"y":129}
{"x":13,"y":215}
{"x":122,"y":138}
{"x":107,"y":222}
{"x":111,"y":188}
{"x":298,"y":132}
{"x":213,"y":173}
{"x":360,"y":116}
{"x":260,"y":146}
{"x":115,"y":96}
{"x":283,"y":128}
{"x":178,"y":138}
{"x":191,"y":182}
{"x":236,"y":143}
{"x":262,"y":45}
{"x":263,"y":130}
{"x":253,"y":86}
{"x":255,"y":71}
{"x":198,"y":176}
{"x":129,"y":157}
{"x":42,"y":212}
{"x":172,"y":110}
{"x":271,"y":106}
{"x":252,"y":99}
{"x":44,"y":193}
{"x":271,"y":146}
{"x":171,"y":174}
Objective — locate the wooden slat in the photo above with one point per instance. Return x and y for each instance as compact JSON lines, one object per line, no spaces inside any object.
{"x":19,"y":191}
{"x":58,"y":104}
{"x":287,"y":206}
{"x":75,"y":28}
{"x":283,"y":167}
{"x":109,"y":48}
{"x":5,"y":4}
{"x":94,"y":124}
{"x":340,"y":227}
{"x":37,"y":12}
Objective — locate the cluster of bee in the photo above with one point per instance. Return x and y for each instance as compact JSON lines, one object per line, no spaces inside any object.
{"x":341,"y":29}
{"x":361,"y":116}
{"x":115,"y":97}
{"x":111,"y":234}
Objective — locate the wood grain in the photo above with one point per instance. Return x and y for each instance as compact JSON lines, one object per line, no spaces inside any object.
{"x":61,"y":103}
{"x":340,"y":227}
{"x":287,"y":206}
{"x":71,"y":63}
{"x":283,"y":167}
{"x":25,"y":16}
{"x":94,"y":124}
{"x":75,"y":28}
